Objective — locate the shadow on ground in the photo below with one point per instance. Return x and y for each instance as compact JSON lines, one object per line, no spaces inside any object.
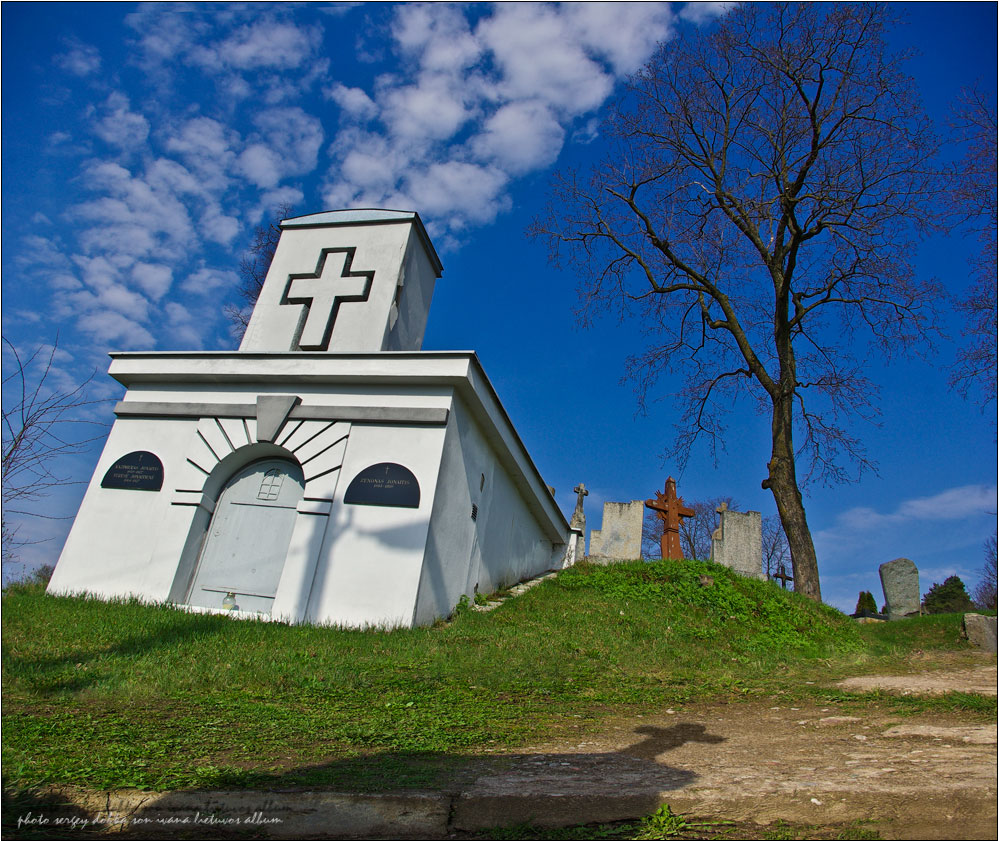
{"x":459,"y":793}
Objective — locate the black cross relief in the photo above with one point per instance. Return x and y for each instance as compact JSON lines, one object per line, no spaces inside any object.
{"x":322,"y":292}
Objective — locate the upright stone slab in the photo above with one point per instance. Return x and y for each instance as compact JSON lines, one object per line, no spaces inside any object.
{"x":737,"y":543}
{"x":620,"y":533}
{"x":980,"y":631}
{"x":900,"y":583}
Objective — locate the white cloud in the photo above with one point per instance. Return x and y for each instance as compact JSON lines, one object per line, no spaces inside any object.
{"x":700,"y":13}
{"x":272,"y":200}
{"x":44,"y":251}
{"x":297,"y":134}
{"x":206,"y":147}
{"x":625,"y":34}
{"x":520,"y":137}
{"x":118,"y":125}
{"x":460,"y":190}
{"x":433,"y":109}
{"x":287,"y":144}
{"x":264,"y":44}
{"x":354,"y":101}
{"x":217,"y":227}
{"x":134,"y":216}
{"x":952,"y":504}
{"x":182,"y":328}
{"x":111,"y":326}
{"x":438,"y":35}
{"x":153,"y":279}
{"x":260,"y":164}
{"x":542,"y":58}
{"x":373,"y":166}
{"x":494,"y":101}
{"x":80,"y":59}
{"x":207,"y":281}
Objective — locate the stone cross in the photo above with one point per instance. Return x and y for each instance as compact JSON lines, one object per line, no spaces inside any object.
{"x":670,"y":509}
{"x":323,"y":291}
{"x":578,"y":518}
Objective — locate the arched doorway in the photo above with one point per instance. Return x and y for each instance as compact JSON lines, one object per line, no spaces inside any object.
{"x":248,"y":538}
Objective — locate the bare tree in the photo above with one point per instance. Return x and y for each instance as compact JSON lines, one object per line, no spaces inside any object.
{"x":41,"y":426}
{"x":758,"y":203}
{"x":775,"y":549}
{"x":253,"y":270}
{"x":972,"y":201}
{"x":984,"y":593}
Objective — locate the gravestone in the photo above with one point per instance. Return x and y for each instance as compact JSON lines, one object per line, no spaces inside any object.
{"x":737,"y":543}
{"x":136,"y":471}
{"x":980,"y":631}
{"x":900,"y":583}
{"x":620,"y":533}
{"x":575,"y":547}
{"x":670,"y":509}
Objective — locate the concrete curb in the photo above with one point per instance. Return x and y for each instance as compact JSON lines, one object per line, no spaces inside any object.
{"x":318,"y":814}
{"x":275,"y":814}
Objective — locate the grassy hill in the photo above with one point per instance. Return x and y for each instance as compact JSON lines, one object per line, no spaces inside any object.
{"x":121,"y":694}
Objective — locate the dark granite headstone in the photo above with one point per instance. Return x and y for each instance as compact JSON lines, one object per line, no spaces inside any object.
{"x":136,"y":471}
{"x":384,"y":484}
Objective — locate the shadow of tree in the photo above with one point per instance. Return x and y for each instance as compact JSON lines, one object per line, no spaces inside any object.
{"x":373,"y":796}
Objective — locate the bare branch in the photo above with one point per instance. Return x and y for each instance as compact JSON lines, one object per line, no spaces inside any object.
{"x":758,"y":205}
{"x":41,"y":425}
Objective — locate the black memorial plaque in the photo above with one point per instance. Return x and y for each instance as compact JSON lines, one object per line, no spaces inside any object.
{"x":384,"y":484}
{"x":138,"y":471}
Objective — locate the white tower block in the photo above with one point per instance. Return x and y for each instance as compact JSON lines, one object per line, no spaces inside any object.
{"x":355,"y":281}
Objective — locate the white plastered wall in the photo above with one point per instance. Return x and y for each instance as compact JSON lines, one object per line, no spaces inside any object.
{"x":369,"y":567}
{"x":126,"y":542}
{"x":392,"y":251}
{"x":146,"y":544}
{"x":417,"y":280}
{"x":502,"y":546}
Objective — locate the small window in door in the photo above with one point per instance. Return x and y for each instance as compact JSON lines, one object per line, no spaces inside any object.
{"x":270,"y":485}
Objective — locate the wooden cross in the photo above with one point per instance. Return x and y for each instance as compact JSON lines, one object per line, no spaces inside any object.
{"x":670,"y":509}
{"x":322,"y":292}
{"x":783,"y":575}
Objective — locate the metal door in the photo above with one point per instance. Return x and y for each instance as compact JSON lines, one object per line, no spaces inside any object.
{"x":248,"y":538}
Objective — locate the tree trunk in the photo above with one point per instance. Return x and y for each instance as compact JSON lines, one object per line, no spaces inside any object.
{"x":783,"y":484}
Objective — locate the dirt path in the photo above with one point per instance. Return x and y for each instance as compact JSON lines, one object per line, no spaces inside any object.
{"x":843,"y":770}
{"x":925,"y":776}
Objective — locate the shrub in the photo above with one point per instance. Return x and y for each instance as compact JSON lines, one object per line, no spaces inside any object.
{"x":948,"y":598}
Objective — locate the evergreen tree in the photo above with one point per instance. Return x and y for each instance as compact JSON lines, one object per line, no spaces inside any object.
{"x":948,"y":598}
{"x":866,"y":603}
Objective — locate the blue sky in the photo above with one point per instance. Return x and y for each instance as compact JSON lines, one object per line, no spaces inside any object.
{"x":143,"y":144}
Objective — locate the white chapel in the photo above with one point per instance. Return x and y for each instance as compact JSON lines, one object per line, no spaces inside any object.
{"x":329,"y":471}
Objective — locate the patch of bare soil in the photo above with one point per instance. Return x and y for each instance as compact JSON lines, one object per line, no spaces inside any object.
{"x":923,"y":776}
{"x":980,"y":678}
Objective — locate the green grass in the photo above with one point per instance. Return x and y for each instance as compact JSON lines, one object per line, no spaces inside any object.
{"x":121,"y":694}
